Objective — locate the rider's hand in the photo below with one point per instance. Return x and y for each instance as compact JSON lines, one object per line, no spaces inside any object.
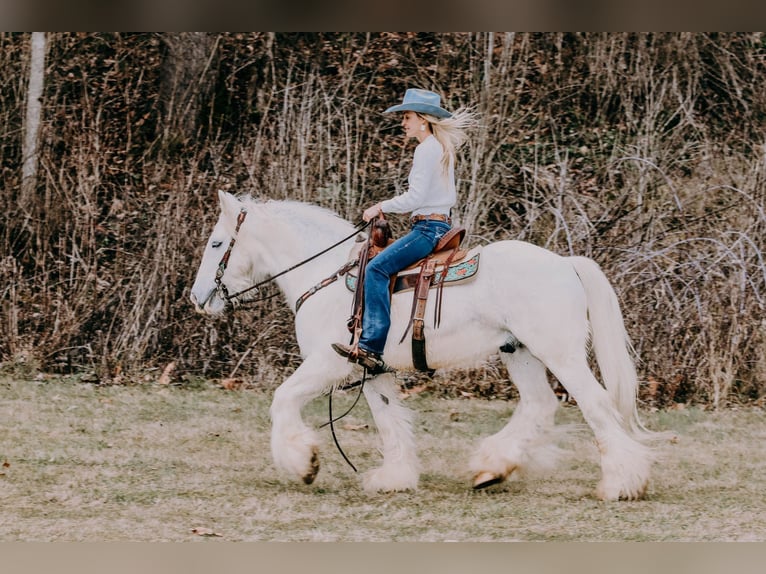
{"x":372,"y":212}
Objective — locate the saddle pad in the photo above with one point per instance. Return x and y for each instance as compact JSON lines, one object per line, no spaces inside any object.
{"x":456,"y":273}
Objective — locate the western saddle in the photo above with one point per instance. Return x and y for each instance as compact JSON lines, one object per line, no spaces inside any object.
{"x":434,"y":266}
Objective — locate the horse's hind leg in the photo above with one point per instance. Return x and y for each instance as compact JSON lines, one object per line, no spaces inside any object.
{"x":625,"y":462}
{"x":525,"y":442}
{"x":400,"y":468}
{"x":295,"y":446}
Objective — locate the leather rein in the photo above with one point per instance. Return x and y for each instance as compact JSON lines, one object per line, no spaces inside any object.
{"x":221,"y":286}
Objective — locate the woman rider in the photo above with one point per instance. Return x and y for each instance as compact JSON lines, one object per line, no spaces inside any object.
{"x":429,"y":199}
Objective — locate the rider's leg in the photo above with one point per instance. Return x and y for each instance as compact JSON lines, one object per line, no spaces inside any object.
{"x":418,"y":243}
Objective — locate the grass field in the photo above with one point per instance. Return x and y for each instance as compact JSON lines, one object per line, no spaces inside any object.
{"x":81,"y":462}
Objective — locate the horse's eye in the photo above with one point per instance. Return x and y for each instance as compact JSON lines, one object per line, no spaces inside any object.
{"x":216,"y":244}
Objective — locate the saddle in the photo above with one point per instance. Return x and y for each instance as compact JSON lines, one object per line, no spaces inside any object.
{"x":447,"y":263}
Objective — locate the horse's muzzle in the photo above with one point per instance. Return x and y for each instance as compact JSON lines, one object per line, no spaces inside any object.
{"x":200,"y":306}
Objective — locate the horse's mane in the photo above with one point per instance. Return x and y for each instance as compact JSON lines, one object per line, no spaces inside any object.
{"x":313,"y":219}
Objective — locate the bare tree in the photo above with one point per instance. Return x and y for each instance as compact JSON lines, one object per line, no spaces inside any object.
{"x":33,"y":118}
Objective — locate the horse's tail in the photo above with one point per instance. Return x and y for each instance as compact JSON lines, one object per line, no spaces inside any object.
{"x":614,"y":352}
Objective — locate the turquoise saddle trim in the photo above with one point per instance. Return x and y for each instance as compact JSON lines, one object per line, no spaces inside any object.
{"x":455,"y":272}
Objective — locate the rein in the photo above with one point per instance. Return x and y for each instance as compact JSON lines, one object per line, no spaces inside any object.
{"x":225,"y":261}
{"x":334,"y":419}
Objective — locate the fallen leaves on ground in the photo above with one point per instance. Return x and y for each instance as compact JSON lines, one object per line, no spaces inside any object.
{"x":410,"y":391}
{"x":207,"y":532}
{"x":232,"y":384}
{"x":165,"y":377}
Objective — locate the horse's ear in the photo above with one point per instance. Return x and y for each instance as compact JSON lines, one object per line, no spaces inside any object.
{"x":229,"y":203}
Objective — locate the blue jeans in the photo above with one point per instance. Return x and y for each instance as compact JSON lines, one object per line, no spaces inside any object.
{"x":419,"y":242}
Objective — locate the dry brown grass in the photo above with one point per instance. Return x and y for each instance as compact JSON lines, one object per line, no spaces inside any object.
{"x":83,"y":462}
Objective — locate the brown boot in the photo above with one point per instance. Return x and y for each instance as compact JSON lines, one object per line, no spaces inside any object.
{"x":369,"y":360}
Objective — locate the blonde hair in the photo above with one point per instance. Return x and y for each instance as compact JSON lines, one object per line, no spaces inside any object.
{"x":451,"y":132}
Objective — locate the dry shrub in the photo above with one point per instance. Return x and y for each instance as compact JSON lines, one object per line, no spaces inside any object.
{"x":643,"y":151}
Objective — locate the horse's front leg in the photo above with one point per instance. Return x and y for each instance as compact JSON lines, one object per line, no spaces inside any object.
{"x":294,"y":445}
{"x":400,"y":469}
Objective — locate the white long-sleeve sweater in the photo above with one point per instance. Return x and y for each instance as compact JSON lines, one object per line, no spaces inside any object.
{"x":429,"y":190}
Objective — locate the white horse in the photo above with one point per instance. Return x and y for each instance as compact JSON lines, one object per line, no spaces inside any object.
{"x":522,"y":293}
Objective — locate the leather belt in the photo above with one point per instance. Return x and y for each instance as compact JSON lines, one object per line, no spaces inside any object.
{"x":431,"y":217}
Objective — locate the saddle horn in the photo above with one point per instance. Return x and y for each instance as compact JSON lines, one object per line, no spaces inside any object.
{"x":381,"y":232}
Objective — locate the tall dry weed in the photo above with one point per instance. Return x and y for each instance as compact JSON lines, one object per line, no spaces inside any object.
{"x":643,"y":151}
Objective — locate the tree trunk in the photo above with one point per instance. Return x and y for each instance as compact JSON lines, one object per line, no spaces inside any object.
{"x":33,"y":119}
{"x":187,"y":81}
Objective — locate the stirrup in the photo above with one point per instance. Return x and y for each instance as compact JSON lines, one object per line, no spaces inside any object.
{"x":367,"y":359}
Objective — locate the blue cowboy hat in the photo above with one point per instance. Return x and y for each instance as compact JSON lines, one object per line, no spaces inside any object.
{"x":421,"y":101}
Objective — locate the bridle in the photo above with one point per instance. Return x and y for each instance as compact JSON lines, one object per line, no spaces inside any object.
{"x":220,"y":285}
{"x":233,"y":299}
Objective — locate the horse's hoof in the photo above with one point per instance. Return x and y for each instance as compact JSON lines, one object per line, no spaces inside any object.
{"x":312,"y":474}
{"x":639,"y":494}
{"x":612,"y":495}
{"x":486,"y":479}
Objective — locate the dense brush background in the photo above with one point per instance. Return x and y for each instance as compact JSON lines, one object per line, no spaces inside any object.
{"x":646,"y":152}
